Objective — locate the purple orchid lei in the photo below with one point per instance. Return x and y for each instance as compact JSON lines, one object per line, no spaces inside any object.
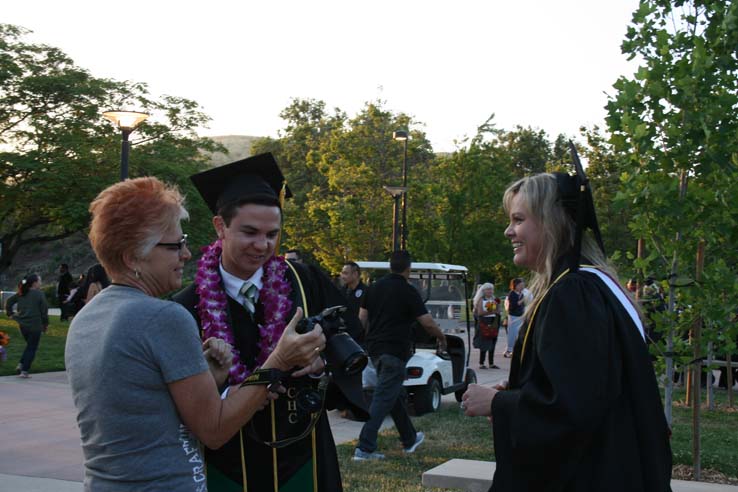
{"x":212,"y":308}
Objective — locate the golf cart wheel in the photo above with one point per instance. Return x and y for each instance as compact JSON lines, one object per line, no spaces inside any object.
{"x":471,"y":378}
{"x":428,"y":398}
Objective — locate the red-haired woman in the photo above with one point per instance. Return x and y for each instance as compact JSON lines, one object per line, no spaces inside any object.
{"x":141,"y":385}
{"x":32,"y":317}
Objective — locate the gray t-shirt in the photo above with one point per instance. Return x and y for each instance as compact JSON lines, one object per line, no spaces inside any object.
{"x":122,"y":350}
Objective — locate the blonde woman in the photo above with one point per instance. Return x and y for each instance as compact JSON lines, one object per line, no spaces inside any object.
{"x":582,"y":409}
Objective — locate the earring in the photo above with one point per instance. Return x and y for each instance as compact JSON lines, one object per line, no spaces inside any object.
{"x":137,"y":274}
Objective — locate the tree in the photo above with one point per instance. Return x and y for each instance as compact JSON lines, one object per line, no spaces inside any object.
{"x":57,"y":150}
{"x":675,"y":123}
{"x":466,"y":222}
{"x":298,"y":150}
{"x":336,"y":167}
{"x":604,"y":170}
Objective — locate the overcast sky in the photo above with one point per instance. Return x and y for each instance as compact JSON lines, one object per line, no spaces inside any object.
{"x":449,"y":64}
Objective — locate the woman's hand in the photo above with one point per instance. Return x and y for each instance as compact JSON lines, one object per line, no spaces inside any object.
{"x":502,"y":385}
{"x":295,"y":350}
{"x":316,"y":368}
{"x":477,"y":401}
{"x":219,"y":356}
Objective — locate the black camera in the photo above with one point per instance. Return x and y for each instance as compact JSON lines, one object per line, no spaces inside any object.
{"x":341,"y":350}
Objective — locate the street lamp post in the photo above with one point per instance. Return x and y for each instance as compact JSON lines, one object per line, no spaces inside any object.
{"x":396,"y":192}
{"x":402,"y":136}
{"x":126,"y":121}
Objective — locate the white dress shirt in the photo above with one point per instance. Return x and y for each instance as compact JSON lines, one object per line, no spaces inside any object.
{"x":233,"y":284}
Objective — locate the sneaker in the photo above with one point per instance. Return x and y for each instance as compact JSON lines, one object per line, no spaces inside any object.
{"x":419,"y":438}
{"x":18,"y":368}
{"x":360,"y":455}
{"x":507,"y":354}
{"x":494,"y":366}
{"x":24,"y":375}
{"x":482,"y":366}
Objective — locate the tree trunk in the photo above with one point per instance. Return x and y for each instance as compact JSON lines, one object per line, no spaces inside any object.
{"x":697,"y":373}
{"x":669,"y":389}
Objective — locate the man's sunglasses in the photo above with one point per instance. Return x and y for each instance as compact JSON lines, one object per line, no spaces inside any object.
{"x":182,"y":243}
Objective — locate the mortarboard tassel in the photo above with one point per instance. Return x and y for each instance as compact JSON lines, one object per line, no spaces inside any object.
{"x":282,"y":194}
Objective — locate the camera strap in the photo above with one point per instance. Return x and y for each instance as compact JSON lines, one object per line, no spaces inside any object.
{"x":314,"y":416}
{"x":322,"y":387}
{"x":270,"y":377}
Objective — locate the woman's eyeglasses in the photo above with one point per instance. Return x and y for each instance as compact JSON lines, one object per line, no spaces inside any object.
{"x":182,"y":243}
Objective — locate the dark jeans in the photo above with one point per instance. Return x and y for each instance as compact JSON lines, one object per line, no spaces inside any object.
{"x":483,"y":354}
{"x":389,"y":398}
{"x":32,"y":339}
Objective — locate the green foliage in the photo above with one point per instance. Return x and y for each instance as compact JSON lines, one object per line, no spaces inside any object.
{"x":49,"y":291}
{"x":336,"y":167}
{"x":678,"y":116}
{"x":57,"y":150}
{"x":719,"y":429}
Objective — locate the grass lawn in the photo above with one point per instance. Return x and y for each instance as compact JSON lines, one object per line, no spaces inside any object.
{"x":50,"y":354}
{"x":719,"y":429}
{"x":449,"y":434}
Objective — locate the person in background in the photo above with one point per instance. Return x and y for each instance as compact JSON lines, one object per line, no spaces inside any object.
{"x":63,"y":287}
{"x":145,"y":386}
{"x":487,"y":314}
{"x":389,"y":309}
{"x":293,"y":255}
{"x":32,"y":317}
{"x":353,"y":290}
{"x":582,"y":410}
{"x":96,"y":280}
{"x":515,"y":305}
{"x":75,"y":300}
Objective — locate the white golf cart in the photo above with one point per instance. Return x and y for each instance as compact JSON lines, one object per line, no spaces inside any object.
{"x":431,"y":374}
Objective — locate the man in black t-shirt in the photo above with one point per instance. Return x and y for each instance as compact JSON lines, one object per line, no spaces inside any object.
{"x":353,"y":290}
{"x":389,"y":308}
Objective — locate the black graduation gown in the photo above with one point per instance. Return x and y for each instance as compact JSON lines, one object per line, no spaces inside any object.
{"x":583,"y":412}
{"x":295,"y":463}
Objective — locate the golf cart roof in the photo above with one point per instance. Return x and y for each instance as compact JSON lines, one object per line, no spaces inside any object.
{"x":416,"y":265}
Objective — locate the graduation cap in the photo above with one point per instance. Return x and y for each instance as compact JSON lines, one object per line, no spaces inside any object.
{"x":575,"y":195}
{"x":256,"y":178}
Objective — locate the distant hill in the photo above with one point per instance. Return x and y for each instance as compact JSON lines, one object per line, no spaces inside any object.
{"x":44,"y":259}
{"x":238,"y":146}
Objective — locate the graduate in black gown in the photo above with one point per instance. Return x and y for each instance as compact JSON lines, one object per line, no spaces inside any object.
{"x":245,"y":293}
{"x":581,"y":411}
